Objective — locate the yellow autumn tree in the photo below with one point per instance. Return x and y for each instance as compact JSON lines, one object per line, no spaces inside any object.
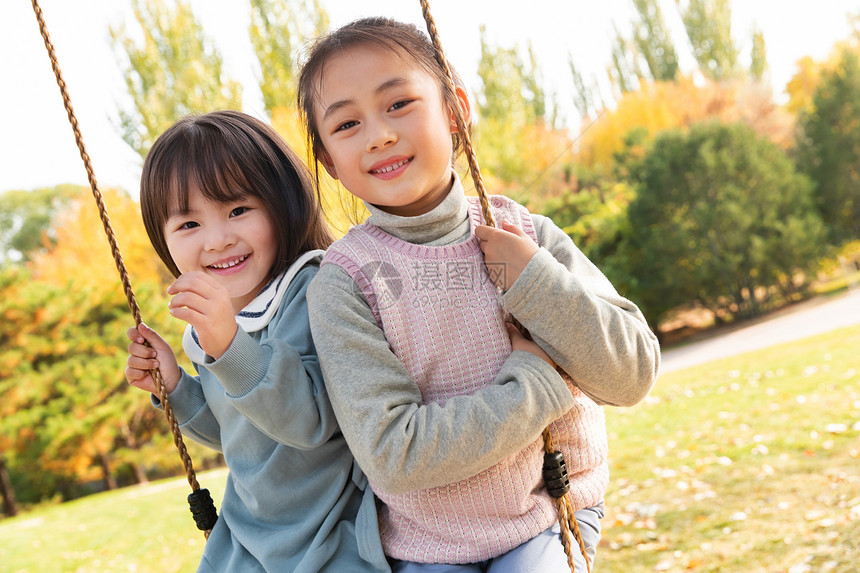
{"x":801,"y":88}
{"x":82,"y":255}
{"x":658,"y":106}
{"x":339,"y":207}
{"x":69,"y":413}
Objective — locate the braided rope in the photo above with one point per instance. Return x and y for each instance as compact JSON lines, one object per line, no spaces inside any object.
{"x":471,"y":156}
{"x":566,"y":519}
{"x":120,"y":265}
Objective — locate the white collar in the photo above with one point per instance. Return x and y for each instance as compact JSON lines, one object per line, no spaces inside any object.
{"x":257,"y":314}
{"x":446,"y":218}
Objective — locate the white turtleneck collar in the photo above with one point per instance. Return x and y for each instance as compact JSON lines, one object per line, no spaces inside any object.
{"x":446,"y":224}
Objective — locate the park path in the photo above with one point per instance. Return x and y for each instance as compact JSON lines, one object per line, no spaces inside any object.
{"x":814,"y":316}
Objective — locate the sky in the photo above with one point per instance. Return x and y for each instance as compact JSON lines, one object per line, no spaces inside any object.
{"x":37,"y":147}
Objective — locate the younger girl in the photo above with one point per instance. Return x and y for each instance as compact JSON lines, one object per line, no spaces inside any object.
{"x":230,"y":209}
{"x":410,"y":324}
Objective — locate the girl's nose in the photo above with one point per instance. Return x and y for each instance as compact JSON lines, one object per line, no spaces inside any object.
{"x":380,"y":136}
{"x":218,"y":238}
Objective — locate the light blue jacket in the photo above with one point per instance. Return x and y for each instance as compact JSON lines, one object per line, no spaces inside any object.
{"x":295,"y":499}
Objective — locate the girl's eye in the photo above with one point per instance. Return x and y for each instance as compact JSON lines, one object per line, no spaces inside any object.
{"x":346,"y":125}
{"x":187,"y":225}
{"x":400,"y":104}
{"x":238,"y":211}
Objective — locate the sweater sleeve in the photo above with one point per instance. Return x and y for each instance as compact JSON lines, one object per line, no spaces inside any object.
{"x":192,"y":413}
{"x":597,"y":336}
{"x":277,"y":383}
{"x":402,"y":444}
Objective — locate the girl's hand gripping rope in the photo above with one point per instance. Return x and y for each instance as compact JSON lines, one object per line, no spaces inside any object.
{"x":143,"y":358}
{"x":507,"y":251}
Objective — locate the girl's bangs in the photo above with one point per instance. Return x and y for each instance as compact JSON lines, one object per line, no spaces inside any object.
{"x":214,"y":172}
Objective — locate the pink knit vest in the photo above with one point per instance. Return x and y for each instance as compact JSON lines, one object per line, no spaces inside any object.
{"x":441,"y":315}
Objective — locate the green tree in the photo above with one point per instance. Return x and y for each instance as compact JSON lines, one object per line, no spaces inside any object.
{"x":829,"y":151}
{"x":534,"y":92}
{"x":758,"y":57}
{"x":625,"y":70}
{"x":67,"y":416}
{"x":595,"y":217}
{"x":510,"y":88}
{"x":584,"y":95}
{"x":648,"y":52}
{"x":653,"y":41}
{"x":277,"y":30}
{"x":25,"y":216}
{"x":594,"y":214}
{"x":175,"y":71}
{"x":515,"y":137}
{"x":721,"y":219}
{"x":709,"y":28}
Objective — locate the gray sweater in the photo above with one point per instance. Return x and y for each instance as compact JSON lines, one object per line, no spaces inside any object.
{"x":600,"y":338}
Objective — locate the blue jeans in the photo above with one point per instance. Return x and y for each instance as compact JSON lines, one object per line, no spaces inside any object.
{"x":541,"y":554}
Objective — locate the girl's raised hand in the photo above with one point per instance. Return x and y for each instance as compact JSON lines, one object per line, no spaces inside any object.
{"x":507,"y":251}
{"x":520,"y":342}
{"x":205,"y":304}
{"x":142,"y":359}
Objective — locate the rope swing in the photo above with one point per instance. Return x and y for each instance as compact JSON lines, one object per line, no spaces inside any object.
{"x":554,"y":469}
{"x":202,"y":506}
{"x":200,"y":501}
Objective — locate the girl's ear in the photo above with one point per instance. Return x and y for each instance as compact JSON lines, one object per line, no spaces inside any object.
{"x":465,"y":108}
{"x":326,"y":161}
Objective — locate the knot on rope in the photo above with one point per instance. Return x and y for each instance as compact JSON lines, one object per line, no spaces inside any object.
{"x":203,"y":509}
{"x":555,"y":474}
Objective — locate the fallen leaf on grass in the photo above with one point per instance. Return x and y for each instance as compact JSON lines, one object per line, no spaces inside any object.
{"x":652,"y":546}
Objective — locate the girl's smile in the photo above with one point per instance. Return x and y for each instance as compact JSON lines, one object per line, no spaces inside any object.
{"x":389,"y":169}
{"x":233,"y":242}
{"x":386,"y":130}
{"x":229,"y":266}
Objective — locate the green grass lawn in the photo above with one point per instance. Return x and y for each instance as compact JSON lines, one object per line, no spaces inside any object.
{"x":750,"y":463}
{"x":140,"y":529}
{"x":746,"y":464}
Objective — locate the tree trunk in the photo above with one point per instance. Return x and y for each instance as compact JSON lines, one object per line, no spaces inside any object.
{"x":131,"y":444}
{"x":110,"y":480}
{"x":10,"y":506}
{"x":139,"y":473}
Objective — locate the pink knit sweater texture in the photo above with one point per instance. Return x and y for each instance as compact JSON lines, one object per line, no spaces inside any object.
{"x":441,"y":314}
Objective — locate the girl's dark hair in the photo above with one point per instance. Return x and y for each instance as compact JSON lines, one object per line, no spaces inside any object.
{"x":406,"y":40}
{"x":228,"y":155}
